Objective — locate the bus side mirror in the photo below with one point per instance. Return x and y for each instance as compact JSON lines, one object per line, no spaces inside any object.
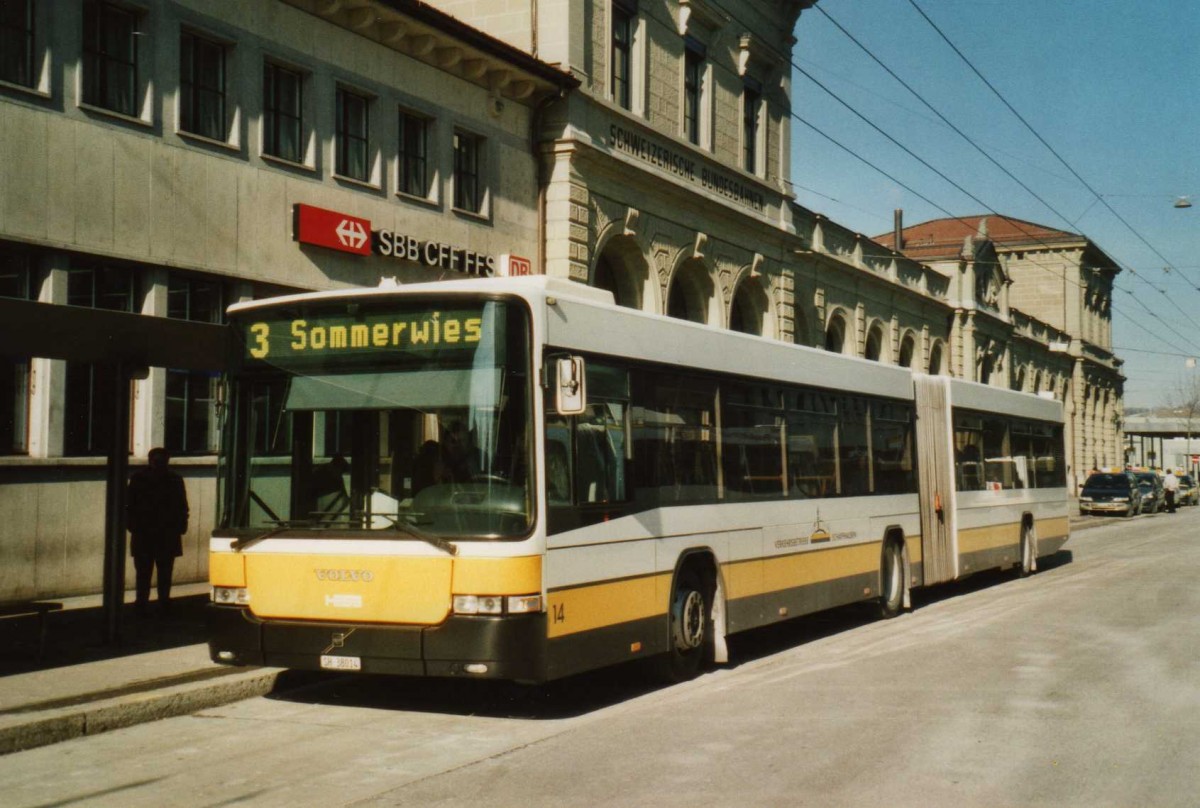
{"x":570,"y":396}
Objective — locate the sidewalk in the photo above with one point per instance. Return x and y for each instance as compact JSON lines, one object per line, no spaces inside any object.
{"x":83,"y":686}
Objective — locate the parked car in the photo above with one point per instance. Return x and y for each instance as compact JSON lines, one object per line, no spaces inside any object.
{"x":1188,"y":493}
{"x":1116,"y":492}
{"x":1153,"y":494}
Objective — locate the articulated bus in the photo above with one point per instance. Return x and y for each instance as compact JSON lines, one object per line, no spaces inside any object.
{"x":514,"y":478}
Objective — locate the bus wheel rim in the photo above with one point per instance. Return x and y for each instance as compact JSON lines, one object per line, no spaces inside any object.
{"x":689,"y":620}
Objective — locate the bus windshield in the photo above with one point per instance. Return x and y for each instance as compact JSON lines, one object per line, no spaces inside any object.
{"x":407,"y":416}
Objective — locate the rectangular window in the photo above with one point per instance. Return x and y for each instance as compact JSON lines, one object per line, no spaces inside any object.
{"x":968,"y":452}
{"x":90,"y":392}
{"x":14,"y":405}
{"x":751,"y":98}
{"x":854,"y":446}
{"x":812,"y":447}
{"x":468,"y":190}
{"x":109,"y":288}
{"x":693,"y":88}
{"x":414,"y":154}
{"x":16,"y":281}
{"x":195,"y":299}
{"x":675,"y":441}
{"x":202,"y":87}
{"x":16,"y":275}
{"x":892,"y":448}
{"x":752,"y":435}
{"x":191,"y":416}
{"x":622,"y":52}
{"x":16,"y":42}
{"x":352,"y":153}
{"x":282,"y":108}
{"x":110,"y":57}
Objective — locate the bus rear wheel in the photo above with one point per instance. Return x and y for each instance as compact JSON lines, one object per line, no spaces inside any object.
{"x":690,"y":618}
{"x":891,"y":581}
{"x":1028,"y":543}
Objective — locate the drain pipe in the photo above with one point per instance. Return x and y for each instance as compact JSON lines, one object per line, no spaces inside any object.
{"x":543,"y":178}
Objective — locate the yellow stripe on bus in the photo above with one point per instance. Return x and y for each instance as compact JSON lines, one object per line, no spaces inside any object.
{"x":973,"y":540}
{"x":497,"y":576}
{"x":1053,"y":528}
{"x":598,"y":605}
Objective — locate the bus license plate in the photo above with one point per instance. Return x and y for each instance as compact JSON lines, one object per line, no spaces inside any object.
{"x":341,"y":663}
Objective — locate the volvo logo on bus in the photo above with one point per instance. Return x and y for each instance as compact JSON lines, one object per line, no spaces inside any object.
{"x":364,"y":576}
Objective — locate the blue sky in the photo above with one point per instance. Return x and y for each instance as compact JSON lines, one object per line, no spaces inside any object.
{"x":1112,"y":87}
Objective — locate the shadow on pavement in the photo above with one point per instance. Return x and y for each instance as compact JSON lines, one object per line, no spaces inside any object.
{"x":75,"y":636}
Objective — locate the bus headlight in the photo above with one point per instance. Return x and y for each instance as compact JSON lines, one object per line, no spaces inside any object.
{"x":497,"y":604}
{"x":231,"y":595}
{"x":524,"y":604}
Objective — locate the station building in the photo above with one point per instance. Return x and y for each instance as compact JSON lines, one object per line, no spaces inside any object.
{"x":167,"y":157}
{"x":164,"y":159}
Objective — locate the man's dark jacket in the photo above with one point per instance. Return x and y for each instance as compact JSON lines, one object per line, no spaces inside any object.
{"x":157,"y":513}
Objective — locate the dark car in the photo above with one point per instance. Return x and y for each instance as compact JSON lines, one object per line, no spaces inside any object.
{"x":1116,"y":492}
{"x":1153,"y":494}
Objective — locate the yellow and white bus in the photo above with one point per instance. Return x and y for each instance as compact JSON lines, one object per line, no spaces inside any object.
{"x":514,"y":478}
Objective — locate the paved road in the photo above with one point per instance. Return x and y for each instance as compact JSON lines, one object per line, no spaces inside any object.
{"x":1078,"y":686}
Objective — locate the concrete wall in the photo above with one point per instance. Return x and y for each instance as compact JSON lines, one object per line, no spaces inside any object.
{"x":52,"y":534}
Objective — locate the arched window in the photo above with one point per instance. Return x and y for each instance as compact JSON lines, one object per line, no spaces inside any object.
{"x":618,"y":270}
{"x":935,"y":359}
{"x":874,"y":346}
{"x":689,"y":293}
{"x":749,"y":306}
{"x":800,"y":335}
{"x":835,"y":334}
{"x":907,"y":346}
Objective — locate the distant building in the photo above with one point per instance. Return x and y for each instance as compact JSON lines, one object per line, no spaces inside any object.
{"x":1032,"y":311}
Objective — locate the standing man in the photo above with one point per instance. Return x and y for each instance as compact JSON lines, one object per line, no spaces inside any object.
{"x":1171,"y":488}
{"x":157,"y":518}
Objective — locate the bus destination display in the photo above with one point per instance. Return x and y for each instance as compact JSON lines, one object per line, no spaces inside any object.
{"x":317,"y":334}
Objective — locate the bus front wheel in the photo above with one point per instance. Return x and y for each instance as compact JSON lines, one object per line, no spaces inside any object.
{"x":690,"y":618}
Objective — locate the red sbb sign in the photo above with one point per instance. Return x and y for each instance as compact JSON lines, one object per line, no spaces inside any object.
{"x":328,"y":228}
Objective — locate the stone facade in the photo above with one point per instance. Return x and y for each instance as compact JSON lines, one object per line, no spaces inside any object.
{"x":128,"y":198}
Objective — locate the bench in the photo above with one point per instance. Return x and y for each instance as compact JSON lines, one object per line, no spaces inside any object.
{"x":31,"y":608}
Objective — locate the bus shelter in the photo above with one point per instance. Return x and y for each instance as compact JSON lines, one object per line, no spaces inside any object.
{"x":125,"y":346}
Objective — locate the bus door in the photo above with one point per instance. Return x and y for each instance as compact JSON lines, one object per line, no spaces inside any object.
{"x":939,"y":530}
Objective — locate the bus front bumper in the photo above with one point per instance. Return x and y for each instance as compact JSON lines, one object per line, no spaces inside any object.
{"x":509,"y":648}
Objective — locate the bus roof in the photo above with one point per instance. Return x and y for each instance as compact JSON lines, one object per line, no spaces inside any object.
{"x":583,"y":319}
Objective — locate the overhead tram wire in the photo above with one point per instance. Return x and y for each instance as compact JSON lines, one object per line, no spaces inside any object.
{"x":1041,"y":139}
{"x":943,"y":118}
{"x":1051,"y":270}
{"x":976,"y":146}
{"x":964,"y":191}
{"x":1142,"y":325}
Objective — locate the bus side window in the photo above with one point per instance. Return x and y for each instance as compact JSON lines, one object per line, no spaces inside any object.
{"x":600,"y":453}
{"x":559,"y":462}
